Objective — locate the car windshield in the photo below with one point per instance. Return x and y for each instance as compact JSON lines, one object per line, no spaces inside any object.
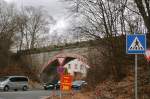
{"x":3,"y":78}
{"x":49,"y":83}
{"x":55,"y":81}
{"x":77,"y":82}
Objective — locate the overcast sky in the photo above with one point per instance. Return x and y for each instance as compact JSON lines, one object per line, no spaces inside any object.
{"x":55,"y":8}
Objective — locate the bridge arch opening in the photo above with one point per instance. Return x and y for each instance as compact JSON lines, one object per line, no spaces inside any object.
{"x":50,"y":69}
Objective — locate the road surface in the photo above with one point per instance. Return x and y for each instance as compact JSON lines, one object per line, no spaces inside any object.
{"x":38,"y":94}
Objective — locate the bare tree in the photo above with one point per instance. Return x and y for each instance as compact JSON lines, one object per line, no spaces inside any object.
{"x":33,"y":25}
{"x":22,"y":23}
{"x":108,"y":21}
{"x":8,"y":28}
{"x":105,"y":21}
{"x":144,"y":9}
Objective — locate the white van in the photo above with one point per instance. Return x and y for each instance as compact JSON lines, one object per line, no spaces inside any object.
{"x":14,"y":83}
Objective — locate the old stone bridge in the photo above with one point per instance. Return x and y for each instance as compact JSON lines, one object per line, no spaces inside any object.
{"x":46,"y":59}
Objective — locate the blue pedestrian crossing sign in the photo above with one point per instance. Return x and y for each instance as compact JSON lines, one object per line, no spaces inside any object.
{"x":135,"y":43}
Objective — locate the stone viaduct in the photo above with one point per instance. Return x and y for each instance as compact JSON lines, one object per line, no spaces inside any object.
{"x":46,"y":58}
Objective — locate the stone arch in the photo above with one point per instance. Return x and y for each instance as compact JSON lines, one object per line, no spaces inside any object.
{"x":70,"y":57}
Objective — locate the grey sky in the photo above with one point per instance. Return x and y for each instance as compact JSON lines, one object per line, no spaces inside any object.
{"x":54,"y":7}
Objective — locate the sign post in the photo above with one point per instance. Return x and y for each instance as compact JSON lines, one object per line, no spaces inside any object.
{"x":61,"y":60}
{"x":136,"y":44}
{"x":60,"y":69}
{"x":136,"y":78}
{"x":66,"y":82}
{"x":65,"y":78}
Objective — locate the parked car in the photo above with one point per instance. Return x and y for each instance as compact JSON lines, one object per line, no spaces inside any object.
{"x":52,"y":85}
{"x":49,"y":86}
{"x":14,"y":83}
{"x":57,"y":85}
{"x":78,"y":84}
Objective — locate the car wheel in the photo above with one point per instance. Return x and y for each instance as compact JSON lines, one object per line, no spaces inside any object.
{"x":6,"y":88}
{"x":15,"y":89}
{"x":45,"y":88}
{"x":25,"y":88}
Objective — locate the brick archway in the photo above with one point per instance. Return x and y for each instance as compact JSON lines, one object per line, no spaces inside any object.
{"x":65,"y":55}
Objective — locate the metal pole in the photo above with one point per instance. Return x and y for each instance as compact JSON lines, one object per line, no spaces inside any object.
{"x":136,"y":79}
{"x":60,"y":94}
{"x":72,"y":94}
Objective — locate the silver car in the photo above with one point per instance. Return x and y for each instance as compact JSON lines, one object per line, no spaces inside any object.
{"x":14,"y":83}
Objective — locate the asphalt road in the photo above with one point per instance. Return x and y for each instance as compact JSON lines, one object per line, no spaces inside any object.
{"x":38,"y":94}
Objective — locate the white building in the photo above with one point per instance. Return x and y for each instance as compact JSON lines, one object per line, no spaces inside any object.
{"x":75,"y":66}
